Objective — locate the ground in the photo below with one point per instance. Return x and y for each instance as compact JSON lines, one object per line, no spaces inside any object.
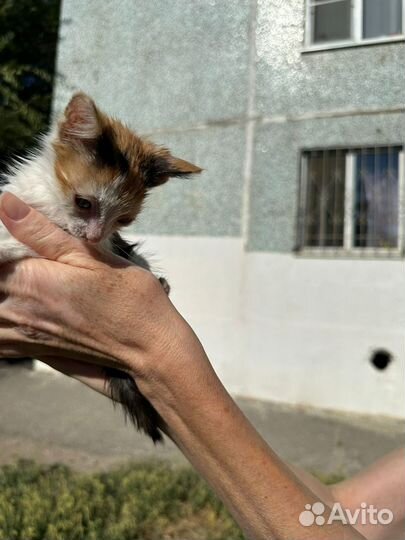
{"x":50,"y":418}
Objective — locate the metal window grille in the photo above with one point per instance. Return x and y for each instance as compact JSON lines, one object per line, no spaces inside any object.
{"x":351,"y":200}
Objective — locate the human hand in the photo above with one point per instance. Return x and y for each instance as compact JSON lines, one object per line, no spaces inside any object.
{"x":79,"y":304}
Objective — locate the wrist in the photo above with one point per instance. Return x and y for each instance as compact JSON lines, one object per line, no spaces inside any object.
{"x":174,"y":362}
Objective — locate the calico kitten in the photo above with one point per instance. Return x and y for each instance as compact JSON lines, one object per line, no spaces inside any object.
{"x":91,"y":176}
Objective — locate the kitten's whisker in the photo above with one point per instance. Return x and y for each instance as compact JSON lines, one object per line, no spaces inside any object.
{"x":125,"y":254}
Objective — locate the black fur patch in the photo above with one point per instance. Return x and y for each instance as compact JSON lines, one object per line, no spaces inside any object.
{"x":107,"y":153}
{"x":128,"y":251}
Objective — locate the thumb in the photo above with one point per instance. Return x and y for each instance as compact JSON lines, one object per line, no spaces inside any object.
{"x":35,"y":230}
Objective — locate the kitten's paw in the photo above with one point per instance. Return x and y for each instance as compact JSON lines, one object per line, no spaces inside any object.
{"x":165,"y":285}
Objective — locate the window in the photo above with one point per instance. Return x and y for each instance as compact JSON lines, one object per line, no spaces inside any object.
{"x":349,"y":22}
{"x":331,"y":20}
{"x":351,"y":199}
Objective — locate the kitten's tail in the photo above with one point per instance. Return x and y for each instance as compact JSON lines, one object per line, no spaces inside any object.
{"x":136,"y":407}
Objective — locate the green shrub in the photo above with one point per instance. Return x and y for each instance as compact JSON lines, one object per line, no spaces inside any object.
{"x":141,"y":501}
{"x":28,"y":37}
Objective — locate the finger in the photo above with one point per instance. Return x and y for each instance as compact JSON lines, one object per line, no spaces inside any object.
{"x":10,"y":353}
{"x":91,"y":375}
{"x":21,"y":340}
{"x":35,"y":231}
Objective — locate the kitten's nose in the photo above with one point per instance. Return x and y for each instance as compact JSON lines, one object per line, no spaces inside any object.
{"x":94,"y":239}
{"x":94,"y":232}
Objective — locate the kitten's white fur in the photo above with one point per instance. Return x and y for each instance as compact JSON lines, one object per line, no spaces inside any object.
{"x":33,"y":180}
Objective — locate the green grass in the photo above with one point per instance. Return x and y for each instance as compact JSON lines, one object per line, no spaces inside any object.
{"x":140,"y":501}
{"x":152,"y":501}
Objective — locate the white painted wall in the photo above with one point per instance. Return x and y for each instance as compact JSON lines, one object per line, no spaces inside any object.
{"x":296,"y":330}
{"x":284,"y":328}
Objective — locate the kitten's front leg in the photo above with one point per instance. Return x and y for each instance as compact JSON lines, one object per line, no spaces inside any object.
{"x":165,"y":285}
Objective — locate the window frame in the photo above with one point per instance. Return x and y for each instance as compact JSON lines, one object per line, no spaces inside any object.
{"x":349,"y":250}
{"x":356,"y":27}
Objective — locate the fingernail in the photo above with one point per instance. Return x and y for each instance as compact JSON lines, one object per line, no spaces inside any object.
{"x":13,"y":207}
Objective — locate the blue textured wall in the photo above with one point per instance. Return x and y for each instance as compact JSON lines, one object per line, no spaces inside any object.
{"x":290,"y":82}
{"x":355,"y":88}
{"x":274,"y":188}
{"x":171,"y":67}
{"x":225,"y":84}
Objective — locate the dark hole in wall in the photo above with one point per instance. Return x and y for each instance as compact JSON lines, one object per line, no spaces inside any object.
{"x":381,"y":359}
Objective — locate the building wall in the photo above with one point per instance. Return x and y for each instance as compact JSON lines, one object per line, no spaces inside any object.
{"x":299,"y":331}
{"x":224,"y":83}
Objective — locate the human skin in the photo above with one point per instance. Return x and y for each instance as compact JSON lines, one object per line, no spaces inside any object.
{"x":79,"y":309}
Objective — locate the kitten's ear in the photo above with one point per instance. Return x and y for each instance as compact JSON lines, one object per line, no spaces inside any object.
{"x":81,"y":121}
{"x":165,"y":167}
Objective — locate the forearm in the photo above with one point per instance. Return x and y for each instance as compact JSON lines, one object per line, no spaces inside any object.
{"x":263,"y":494}
{"x":382,"y":485}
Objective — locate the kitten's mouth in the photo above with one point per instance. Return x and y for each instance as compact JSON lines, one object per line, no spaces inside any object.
{"x":93,"y":241}
{"x":82,"y":236}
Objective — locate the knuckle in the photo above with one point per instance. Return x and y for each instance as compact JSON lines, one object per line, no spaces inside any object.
{"x":41,"y":232}
{"x":151,"y":284}
{"x":32,"y":333}
{"x":9,"y":353}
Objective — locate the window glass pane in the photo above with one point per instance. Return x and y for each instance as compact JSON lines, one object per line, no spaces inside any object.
{"x":376,"y":198}
{"x":324,"y":206}
{"x":382,"y":18}
{"x":331,"y":21}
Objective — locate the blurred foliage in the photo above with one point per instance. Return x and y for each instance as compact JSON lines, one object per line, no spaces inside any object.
{"x":140,"y":501}
{"x":329,"y":479}
{"x":28,"y":38}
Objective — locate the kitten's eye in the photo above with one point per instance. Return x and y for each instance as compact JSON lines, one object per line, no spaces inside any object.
{"x":83,"y":204}
{"x":124,"y":221}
